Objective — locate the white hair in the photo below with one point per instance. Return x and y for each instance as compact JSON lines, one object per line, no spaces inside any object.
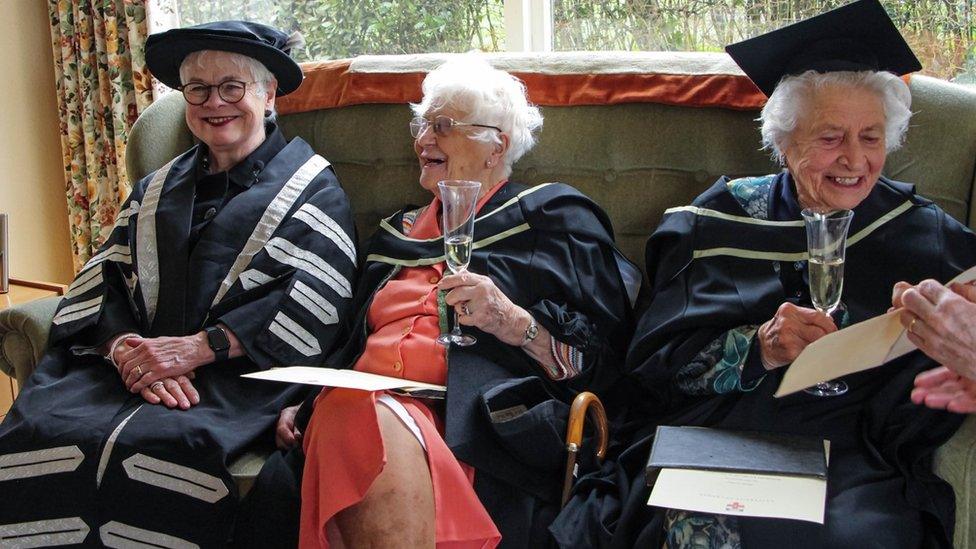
{"x":202,"y":59}
{"x":485,"y":95}
{"x":792,"y":97}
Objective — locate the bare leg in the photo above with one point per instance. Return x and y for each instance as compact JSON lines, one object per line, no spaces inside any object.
{"x":398,"y":509}
{"x":333,"y":536}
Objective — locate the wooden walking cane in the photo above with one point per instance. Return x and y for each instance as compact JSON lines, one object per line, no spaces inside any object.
{"x":583,"y":403}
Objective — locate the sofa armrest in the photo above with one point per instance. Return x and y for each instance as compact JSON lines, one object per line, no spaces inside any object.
{"x":23,"y":336}
{"x":955,"y":462}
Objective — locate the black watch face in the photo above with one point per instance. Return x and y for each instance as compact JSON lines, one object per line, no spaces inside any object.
{"x":217,"y":339}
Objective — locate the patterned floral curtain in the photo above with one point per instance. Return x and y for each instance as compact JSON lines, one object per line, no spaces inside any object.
{"x":102,"y":86}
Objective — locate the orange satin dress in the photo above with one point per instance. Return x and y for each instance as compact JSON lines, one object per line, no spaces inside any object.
{"x":343,"y":445}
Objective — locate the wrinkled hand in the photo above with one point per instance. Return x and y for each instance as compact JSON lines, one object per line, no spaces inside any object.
{"x":119,"y":350}
{"x":287,"y":436}
{"x":173,"y":392}
{"x":941,"y":321}
{"x":147,"y":360}
{"x":943,"y":389}
{"x":792,"y":328}
{"x":481,"y":304}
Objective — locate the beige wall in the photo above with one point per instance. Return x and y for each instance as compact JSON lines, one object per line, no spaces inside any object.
{"x":31,"y":177}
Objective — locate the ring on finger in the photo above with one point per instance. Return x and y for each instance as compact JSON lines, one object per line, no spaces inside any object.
{"x":465,"y":310}
{"x":911,"y":325}
{"x":139,"y":370}
{"x":155,"y":385}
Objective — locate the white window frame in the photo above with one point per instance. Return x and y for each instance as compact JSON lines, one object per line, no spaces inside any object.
{"x":528,"y":25}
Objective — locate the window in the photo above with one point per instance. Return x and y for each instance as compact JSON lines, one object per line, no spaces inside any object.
{"x":344,"y":28}
{"x":942,"y":32}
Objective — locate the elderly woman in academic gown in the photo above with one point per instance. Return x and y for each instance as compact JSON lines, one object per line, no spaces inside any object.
{"x":235,"y":256}
{"x":546,"y":299}
{"x":730,"y":308}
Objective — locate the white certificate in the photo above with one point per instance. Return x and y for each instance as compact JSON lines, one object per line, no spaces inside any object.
{"x":746,"y":494}
{"x":859,"y":347}
{"x":348,"y":379}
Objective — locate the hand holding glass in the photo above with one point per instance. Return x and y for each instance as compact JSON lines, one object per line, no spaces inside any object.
{"x":458,"y":202}
{"x":827,"y":244}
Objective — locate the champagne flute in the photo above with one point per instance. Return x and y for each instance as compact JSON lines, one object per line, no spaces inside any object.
{"x":458,"y":201}
{"x":827,"y":243}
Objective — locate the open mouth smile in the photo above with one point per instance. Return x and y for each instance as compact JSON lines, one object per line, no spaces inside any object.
{"x":844,"y":181}
{"x":219,"y":120}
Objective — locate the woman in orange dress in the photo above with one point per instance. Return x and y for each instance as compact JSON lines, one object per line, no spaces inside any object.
{"x":545,"y":298}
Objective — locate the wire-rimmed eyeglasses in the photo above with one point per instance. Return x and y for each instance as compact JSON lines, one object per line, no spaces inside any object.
{"x":443,"y":125}
{"x":231,"y":91}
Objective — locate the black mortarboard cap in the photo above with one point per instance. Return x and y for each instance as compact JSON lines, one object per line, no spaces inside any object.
{"x":856,"y":37}
{"x":165,"y":51}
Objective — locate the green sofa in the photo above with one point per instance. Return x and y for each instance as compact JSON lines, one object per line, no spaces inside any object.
{"x":635,"y":159}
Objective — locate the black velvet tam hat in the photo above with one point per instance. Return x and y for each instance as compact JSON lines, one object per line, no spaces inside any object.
{"x":166,"y":51}
{"x":857,"y":37}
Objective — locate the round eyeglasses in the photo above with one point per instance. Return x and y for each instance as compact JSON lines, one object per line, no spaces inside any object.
{"x":231,"y":91}
{"x":443,"y":125}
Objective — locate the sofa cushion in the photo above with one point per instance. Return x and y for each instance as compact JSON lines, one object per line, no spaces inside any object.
{"x":558,"y":79}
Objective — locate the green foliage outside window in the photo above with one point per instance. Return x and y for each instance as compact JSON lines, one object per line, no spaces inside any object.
{"x":942,"y":32}
{"x":344,"y":28}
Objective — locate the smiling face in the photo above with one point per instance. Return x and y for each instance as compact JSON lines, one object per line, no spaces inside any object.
{"x":457,"y":155}
{"x":230,"y":130}
{"x":838,"y":150}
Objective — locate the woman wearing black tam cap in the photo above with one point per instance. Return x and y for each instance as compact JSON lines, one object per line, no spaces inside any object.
{"x":730,"y":308}
{"x":235,"y":256}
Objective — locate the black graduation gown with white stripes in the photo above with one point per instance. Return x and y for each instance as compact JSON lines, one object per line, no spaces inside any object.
{"x":84,"y":460}
{"x":714,"y":267}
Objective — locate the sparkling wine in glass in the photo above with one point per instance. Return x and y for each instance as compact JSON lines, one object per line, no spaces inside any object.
{"x":826,"y":283}
{"x":458,"y":202}
{"x":826,"y":244}
{"x":458,"y":250}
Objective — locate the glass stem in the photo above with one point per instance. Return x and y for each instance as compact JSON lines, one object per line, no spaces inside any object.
{"x":456,"y":331}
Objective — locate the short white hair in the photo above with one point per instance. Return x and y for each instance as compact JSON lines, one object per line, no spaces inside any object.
{"x":202,"y":59}
{"x":792,"y":96}
{"x":485,"y":95}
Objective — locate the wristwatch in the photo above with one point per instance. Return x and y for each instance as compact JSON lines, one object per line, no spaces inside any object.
{"x":530,"y":332}
{"x":219,"y":344}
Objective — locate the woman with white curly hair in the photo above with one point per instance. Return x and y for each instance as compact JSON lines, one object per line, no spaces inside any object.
{"x":730,"y":308}
{"x":544,"y":295}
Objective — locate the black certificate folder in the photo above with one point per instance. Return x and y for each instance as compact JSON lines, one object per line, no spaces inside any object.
{"x":736,"y":451}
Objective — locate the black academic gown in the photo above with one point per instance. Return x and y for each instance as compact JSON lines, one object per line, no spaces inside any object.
{"x":707,"y":279}
{"x":87,"y":461}
{"x":550,"y":250}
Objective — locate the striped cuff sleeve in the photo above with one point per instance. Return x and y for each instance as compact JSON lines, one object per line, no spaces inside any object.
{"x":569,"y":361}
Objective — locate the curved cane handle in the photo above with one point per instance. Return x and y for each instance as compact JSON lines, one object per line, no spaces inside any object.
{"x":587,"y":402}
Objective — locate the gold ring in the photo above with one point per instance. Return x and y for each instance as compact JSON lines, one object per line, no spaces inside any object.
{"x":139,"y":370}
{"x":155,"y":385}
{"x":912,"y":325}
